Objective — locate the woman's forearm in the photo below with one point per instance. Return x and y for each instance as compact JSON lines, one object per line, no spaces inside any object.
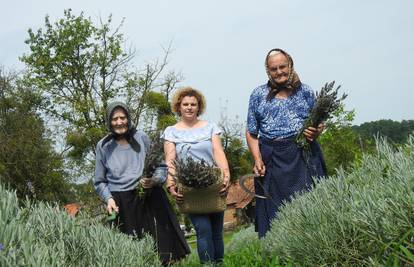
{"x":220,"y":156}
{"x":253,"y":144}
{"x":170,"y":155}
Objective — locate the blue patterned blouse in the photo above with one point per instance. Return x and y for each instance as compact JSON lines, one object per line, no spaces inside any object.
{"x":278,"y":118}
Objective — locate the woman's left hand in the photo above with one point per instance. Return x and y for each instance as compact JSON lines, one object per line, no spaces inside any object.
{"x":146,"y":182}
{"x":311,"y":133}
{"x":226,"y":185}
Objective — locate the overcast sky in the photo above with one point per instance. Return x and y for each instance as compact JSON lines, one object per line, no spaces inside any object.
{"x":367,"y":46}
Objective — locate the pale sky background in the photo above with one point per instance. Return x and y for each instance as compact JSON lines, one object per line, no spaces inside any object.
{"x":367,"y":46}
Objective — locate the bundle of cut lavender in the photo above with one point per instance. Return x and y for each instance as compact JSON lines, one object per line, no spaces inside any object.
{"x":196,"y":174}
{"x":154,"y":156}
{"x":327,"y":101}
{"x":153,"y":160}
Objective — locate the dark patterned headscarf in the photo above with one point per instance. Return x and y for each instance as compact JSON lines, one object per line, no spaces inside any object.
{"x":129,"y":135}
{"x":293,"y":81}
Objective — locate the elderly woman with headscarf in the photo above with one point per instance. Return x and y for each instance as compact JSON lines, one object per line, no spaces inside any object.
{"x":120,"y":158}
{"x":277,"y":112}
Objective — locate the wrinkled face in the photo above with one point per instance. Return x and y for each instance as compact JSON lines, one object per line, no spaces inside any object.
{"x":189,"y":107}
{"x":119,"y":121}
{"x":278,"y":67}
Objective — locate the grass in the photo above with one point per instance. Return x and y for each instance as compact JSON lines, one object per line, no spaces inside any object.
{"x":192,"y":240}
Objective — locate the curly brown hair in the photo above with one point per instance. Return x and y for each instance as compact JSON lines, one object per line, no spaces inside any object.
{"x":188,"y":91}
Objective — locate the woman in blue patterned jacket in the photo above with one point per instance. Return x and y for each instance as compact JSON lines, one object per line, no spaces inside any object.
{"x":277,"y":112}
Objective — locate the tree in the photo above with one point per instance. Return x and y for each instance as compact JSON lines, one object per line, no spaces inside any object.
{"x":80,"y":68}
{"x":395,"y":131}
{"x":238,"y":156}
{"x":341,"y":145}
{"x":28,"y":162}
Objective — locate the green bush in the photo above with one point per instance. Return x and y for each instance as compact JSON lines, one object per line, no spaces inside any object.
{"x":241,"y":239}
{"x":43,"y":235}
{"x":245,"y":249}
{"x":354,"y":218}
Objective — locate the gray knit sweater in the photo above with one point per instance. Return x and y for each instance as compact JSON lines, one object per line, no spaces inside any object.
{"x":119,"y":167}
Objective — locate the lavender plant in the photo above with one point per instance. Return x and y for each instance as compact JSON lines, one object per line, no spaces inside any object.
{"x":41,"y":234}
{"x":327,"y":101}
{"x":362,"y":217}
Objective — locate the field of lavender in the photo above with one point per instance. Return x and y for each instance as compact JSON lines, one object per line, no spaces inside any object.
{"x":362,"y":217}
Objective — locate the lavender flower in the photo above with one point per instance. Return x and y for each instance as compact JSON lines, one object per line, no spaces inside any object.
{"x":30,"y":187}
{"x":327,"y":101}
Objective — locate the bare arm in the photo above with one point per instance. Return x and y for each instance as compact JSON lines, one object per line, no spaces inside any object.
{"x":221,"y":161}
{"x":253,"y":144}
{"x":170,"y":156}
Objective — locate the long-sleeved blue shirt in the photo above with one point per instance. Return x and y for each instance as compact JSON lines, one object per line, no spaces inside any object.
{"x":119,"y":167}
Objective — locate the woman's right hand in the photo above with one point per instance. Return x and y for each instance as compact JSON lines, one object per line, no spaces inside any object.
{"x":259,"y":168}
{"x":111,"y":206}
{"x":177,"y":196}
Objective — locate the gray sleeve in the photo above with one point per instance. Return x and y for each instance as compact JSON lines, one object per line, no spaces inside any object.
{"x":145,"y":140}
{"x":100,"y":182}
{"x":160,"y":174}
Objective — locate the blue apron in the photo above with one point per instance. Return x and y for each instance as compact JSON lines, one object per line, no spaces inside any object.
{"x":288,"y":170}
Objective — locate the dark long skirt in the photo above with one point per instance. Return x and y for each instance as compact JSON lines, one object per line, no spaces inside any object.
{"x":152,"y":214}
{"x":287,"y":172}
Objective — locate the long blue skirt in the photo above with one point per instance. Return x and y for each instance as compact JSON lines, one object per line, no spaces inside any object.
{"x":287,"y":172}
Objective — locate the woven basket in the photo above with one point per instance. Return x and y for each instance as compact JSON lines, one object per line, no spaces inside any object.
{"x":205,"y":200}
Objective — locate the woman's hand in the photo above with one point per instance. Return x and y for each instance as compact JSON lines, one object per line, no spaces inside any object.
{"x":177,"y":196}
{"x":311,"y":133}
{"x":111,"y":206}
{"x":226,"y":186}
{"x":259,"y":169}
{"x":146,"y":182}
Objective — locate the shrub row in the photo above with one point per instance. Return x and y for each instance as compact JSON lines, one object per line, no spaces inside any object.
{"x":361,"y":218}
{"x":43,"y":235}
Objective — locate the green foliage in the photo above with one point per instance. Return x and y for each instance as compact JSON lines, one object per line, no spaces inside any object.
{"x":166,"y":120}
{"x":237,"y":154}
{"x":395,"y":131}
{"x":238,"y":157}
{"x":244,"y":249}
{"x":341,"y":145}
{"x":353,"y":218}
{"x":43,"y":235}
{"x":157,"y":102}
{"x":28,"y":162}
{"x":159,"y":109}
{"x":89,"y":201}
{"x":80,"y":67}
{"x":242,"y":238}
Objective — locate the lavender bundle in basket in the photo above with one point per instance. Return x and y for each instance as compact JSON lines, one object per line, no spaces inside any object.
{"x":196,"y":174}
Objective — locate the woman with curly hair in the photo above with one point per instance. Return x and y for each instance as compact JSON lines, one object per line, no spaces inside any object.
{"x":200,"y":140}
